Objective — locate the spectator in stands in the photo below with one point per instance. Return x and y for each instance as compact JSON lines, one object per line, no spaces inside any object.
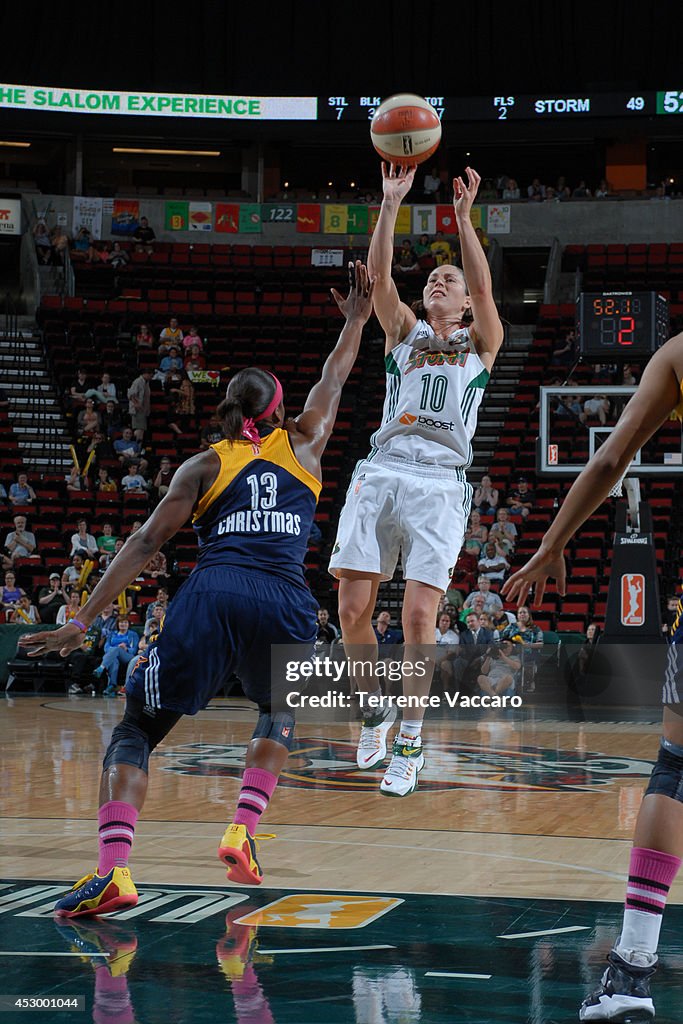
{"x":43,"y":244}
{"x":144,"y":236}
{"x":11,"y":593}
{"x":383,"y":630}
{"x":531,"y":637}
{"x":82,"y":245}
{"x":603,"y":190}
{"x":108,"y":556}
{"x":492,"y":602}
{"x":536,"y":192}
{"x":171,"y":361}
{"x":192,"y":338}
{"x":499,"y":668}
{"x":563,"y":355}
{"x":143,"y":338}
{"x":475,"y":528}
{"x":25,"y":612}
{"x":89,"y":422}
{"x":60,"y":242}
{"x":119,"y":649}
{"x":422,"y":247}
{"x":83,"y":541}
{"x":597,"y":408}
{"x":581,"y":191}
{"x":162,"y":481}
{"x":78,"y":388}
{"x":511,"y":190}
{"x":69,"y":610}
{"x":473,"y":641}
{"x":327,"y":631}
{"x":72,"y":573}
{"x":137,"y":524}
{"x":156,"y":568}
{"x":441,"y":249}
{"x":182,"y":406}
{"x":19,"y":543}
{"x":104,"y":481}
{"x":431,"y":185}
{"x":106,"y":542}
{"x":465,"y":571}
{"x":156,"y":612}
{"x":110,"y":420}
{"x":212,"y":432}
{"x":51,"y":598}
{"x":194,"y":360}
{"x":134,"y":481}
{"x":140,"y":403}
{"x":501,"y":620}
{"x":118,"y":257}
{"x":406,"y":257}
{"x":74,"y":480}
{"x":447,"y":639}
{"x":171,"y":335}
{"x":83,"y":661}
{"x":127,"y":447}
{"x":503,"y":529}
{"x":628,"y":377}
{"x":520,"y":499}
{"x":21,"y":492}
{"x":486,"y":497}
{"x":493,"y":565}
{"x":104,"y":392}
{"x":484,"y":240}
{"x":161,"y":598}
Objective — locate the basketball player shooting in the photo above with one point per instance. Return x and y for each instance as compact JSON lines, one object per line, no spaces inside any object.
{"x":411,"y":494}
{"x":658,"y":841}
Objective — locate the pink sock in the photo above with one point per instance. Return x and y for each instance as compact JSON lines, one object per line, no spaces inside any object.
{"x":650,"y":875}
{"x":116,"y":822}
{"x":258,"y":786}
{"x":112,"y":999}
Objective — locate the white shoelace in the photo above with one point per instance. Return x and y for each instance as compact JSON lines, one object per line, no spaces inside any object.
{"x":401,"y":767}
{"x":369,"y":738}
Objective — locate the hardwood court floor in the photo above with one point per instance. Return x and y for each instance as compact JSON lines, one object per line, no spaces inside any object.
{"x":521,"y":827}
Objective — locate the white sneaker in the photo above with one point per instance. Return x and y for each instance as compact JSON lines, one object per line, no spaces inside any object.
{"x":406,"y":763}
{"x":372,"y":744}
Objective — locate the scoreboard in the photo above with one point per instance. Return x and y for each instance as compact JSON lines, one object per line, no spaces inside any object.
{"x":517,"y":108}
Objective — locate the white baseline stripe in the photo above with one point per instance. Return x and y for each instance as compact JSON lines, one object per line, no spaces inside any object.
{"x":6,"y":952}
{"x":455,"y":974}
{"x":322,"y":949}
{"x":547,"y":931}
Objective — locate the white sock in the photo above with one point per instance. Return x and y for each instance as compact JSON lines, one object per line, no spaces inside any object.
{"x":410,"y":728}
{"x":639,"y":937}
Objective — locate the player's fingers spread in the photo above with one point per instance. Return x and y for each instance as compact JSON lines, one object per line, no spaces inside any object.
{"x":384,"y":169}
{"x":336,"y":296}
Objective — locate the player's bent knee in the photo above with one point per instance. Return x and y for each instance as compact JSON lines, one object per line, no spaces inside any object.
{"x":129,"y":744}
{"x":667,"y":774}
{"x":278,"y":727}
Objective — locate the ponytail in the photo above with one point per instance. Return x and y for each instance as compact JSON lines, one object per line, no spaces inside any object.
{"x":249,"y":394}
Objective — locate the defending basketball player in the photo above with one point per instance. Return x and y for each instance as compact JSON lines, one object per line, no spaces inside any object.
{"x":252,"y":498}
{"x":658,"y":841}
{"x":410,"y":494}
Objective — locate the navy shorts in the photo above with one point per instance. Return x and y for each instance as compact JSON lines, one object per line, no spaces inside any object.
{"x":222,"y":622}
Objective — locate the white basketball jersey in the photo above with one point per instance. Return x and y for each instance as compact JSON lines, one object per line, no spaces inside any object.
{"x":430,"y":409}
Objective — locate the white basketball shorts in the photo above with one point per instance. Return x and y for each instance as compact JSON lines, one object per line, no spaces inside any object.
{"x":394,"y":506}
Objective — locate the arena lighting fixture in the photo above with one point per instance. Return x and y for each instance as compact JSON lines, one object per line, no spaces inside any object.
{"x":15,"y":145}
{"x":167,"y":152}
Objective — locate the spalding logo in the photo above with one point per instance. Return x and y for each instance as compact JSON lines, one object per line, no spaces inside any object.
{"x":407,"y":418}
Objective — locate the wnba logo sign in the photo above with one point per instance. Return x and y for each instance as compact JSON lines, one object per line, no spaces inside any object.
{"x":633,"y":599}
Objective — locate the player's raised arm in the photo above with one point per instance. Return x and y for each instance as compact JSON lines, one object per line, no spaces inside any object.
{"x":167,"y":518}
{"x":395,"y":317}
{"x":651,"y":405}
{"x":315,"y":423}
{"x":488,"y":330}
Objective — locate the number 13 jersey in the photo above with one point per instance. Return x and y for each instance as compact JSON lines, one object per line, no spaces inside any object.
{"x":430,"y":409}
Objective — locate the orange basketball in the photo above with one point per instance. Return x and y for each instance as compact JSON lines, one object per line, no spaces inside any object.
{"x":405,"y":129}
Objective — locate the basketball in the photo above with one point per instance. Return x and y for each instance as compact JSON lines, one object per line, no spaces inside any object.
{"x":405,"y":130}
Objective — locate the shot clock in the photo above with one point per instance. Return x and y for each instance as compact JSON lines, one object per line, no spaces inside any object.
{"x":621,"y":325}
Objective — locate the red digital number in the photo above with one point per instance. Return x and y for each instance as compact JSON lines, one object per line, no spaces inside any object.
{"x":626,"y":327}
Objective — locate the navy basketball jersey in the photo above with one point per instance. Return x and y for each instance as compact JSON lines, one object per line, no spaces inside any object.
{"x":258,"y":512}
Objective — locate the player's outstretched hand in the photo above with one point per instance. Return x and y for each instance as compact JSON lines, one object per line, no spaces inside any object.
{"x":397,"y":181}
{"x":465,"y":194}
{"x":535,"y":573}
{"x":358,"y":303}
{"x":66,"y":639}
